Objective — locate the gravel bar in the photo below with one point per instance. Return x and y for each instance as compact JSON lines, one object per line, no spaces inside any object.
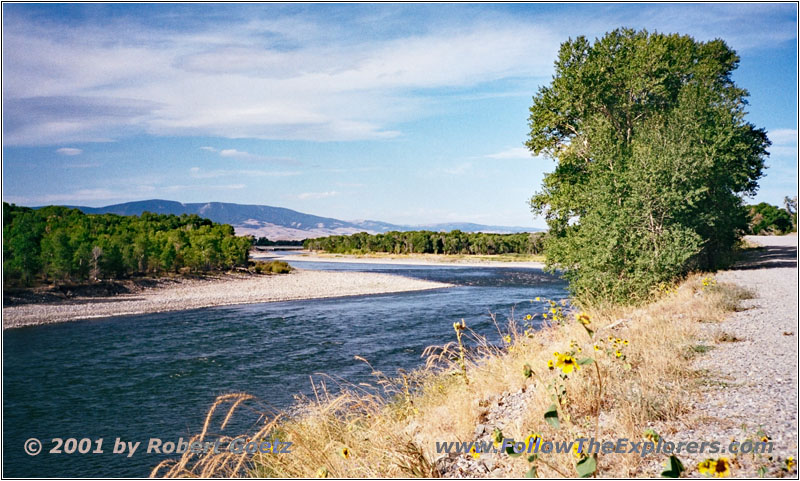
{"x":194,"y":294}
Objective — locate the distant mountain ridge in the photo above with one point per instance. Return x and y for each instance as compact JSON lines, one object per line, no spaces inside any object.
{"x":278,"y":223}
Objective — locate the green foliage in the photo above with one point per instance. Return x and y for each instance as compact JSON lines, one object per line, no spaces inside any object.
{"x":586,"y":467}
{"x":551,"y":416}
{"x":768,"y":219}
{"x":272,"y":267}
{"x":653,"y":156}
{"x":673,"y":468}
{"x":429,"y":242}
{"x":58,"y":243}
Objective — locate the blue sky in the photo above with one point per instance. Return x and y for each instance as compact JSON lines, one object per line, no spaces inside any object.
{"x":408,"y":113}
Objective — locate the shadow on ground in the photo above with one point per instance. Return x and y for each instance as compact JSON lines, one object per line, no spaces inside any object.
{"x":767,"y":257}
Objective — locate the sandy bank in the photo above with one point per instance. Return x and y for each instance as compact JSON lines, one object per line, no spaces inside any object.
{"x":421,"y":260}
{"x":227,"y":290}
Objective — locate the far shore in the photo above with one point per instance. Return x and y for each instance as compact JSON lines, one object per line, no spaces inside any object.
{"x":229,"y":289}
{"x":406,"y":259}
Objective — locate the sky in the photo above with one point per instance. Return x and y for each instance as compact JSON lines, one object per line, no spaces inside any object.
{"x":404,"y":113}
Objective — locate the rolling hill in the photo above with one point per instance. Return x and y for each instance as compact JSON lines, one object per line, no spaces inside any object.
{"x":278,"y":223}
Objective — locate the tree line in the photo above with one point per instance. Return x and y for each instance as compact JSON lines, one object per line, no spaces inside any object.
{"x":58,"y":244}
{"x":429,"y":242}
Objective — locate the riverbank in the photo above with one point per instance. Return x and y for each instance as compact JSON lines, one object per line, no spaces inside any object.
{"x":503,"y":260}
{"x":229,"y":289}
{"x":706,"y":355}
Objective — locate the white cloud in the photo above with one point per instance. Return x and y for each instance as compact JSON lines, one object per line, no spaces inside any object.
{"x":198,"y":173}
{"x":317,"y":195}
{"x":297,"y":78}
{"x":784,"y":142}
{"x":69,"y":151}
{"x":511,"y":153}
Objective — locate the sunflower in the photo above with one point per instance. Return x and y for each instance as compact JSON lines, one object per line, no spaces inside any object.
{"x":576,"y":451}
{"x":567,"y":363}
{"x":345,"y":452}
{"x":596,"y":347}
{"x":583,"y":318}
{"x":550,"y":364}
{"x":705,"y":467}
{"x":528,"y":317}
{"x":790,"y":463}
{"x":533,"y":440}
{"x":721,"y":468}
{"x":474,"y":452}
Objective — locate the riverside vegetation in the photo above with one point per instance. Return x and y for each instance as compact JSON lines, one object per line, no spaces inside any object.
{"x":653,"y":157}
{"x":429,"y":242}
{"x":61,"y":244}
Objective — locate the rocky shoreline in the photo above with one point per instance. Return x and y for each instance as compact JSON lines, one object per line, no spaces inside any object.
{"x":183,"y":294}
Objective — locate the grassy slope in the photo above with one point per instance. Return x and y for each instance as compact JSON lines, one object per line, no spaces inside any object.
{"x":397,"y":437}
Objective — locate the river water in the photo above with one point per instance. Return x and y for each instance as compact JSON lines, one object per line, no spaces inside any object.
{"x":156,"y":375}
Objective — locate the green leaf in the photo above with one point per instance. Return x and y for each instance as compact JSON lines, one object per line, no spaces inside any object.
{"x":511,"y":453}
{"x":585,"y":361}
{"x":586,"y":467}
{"x":551,"y":416}
{"x":532,"y":473}
{"x":533,"y":457}
{"x":674,"y":468}
{"x":651,"y":435}
{"x":526,"y":371}
{"x":762,"y":471}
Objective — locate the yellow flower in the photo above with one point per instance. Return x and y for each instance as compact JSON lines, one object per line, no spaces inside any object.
{"x":555,"y":354}
{"x":550,"y":364}
{"x":765,"y":438}
{"x":544,"y":315}
{"x":528,"y":317}
{"x":345,"y":452}
{"x":577,"y":452}
{"x":507,"y":339}
{"x":322,"y":472}
{"x":538,"y":299}
{"x":610,"y":338}
{"x":618,"y":354}
{"x":596,"y":347}
{"x":552,"y":310}
{"x":567,"y":363}
{"x":583,"y":318}
{"x":719,"y":468}
{"x":625,"y":343}
{"x":790,"y":463}
{"x":533,"y":440}
{"x":474,"y":452}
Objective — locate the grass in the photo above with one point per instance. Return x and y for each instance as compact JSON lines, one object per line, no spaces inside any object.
{"x":389,"y":428}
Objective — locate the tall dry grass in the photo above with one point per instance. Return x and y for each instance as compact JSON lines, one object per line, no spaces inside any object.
{"x":390,"y":428}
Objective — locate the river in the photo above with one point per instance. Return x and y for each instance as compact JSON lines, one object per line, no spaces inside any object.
{"x":155,"y":375}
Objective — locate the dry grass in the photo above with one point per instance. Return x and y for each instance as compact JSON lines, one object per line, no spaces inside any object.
{"x":390,"y":429}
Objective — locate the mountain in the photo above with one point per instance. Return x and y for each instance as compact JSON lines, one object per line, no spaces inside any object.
{"x":278,"y":223}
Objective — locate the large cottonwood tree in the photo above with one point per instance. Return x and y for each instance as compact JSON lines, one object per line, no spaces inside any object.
{"x":653,"y":156}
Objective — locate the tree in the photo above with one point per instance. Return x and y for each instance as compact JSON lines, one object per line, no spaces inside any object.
{"x":653,"y":156}
{"x":769,"y":219}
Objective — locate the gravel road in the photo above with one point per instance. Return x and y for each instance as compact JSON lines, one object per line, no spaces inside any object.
{"x":756,"y":384}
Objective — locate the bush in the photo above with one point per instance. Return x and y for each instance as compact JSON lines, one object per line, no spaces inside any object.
{"x":767,"y":219}
{"x":272,"y":267}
